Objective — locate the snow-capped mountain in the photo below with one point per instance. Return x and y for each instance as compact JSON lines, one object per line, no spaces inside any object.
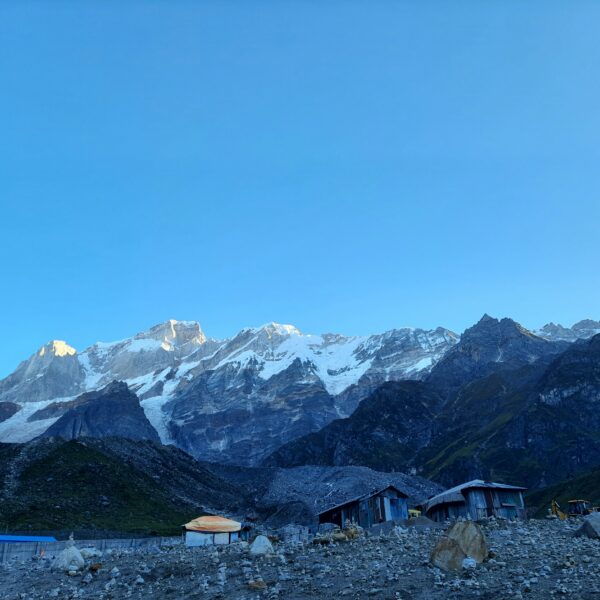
{"x":581,"y":330}
{"x":231,"y":400}
{"x":234,"y":400}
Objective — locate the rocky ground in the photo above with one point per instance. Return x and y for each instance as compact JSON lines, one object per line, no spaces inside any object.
{"x":297,"y":494}
{"x":537,"y":559}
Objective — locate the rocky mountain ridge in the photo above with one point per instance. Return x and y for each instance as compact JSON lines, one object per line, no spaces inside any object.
{"x":581,"y":330}
{"x":238,"y":400}
{"x":530,"y":419}
{"x":235,"y":399}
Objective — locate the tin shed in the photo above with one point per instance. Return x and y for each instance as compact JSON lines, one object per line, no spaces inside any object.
{"x":369,"y":509}
{"x":477,"y":499}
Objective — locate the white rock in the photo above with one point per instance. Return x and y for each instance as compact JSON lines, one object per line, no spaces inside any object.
{"x":90,"y":553}
{"x":261,"y":545}
{"x":69,"y":559}
{"x":590,"y":527}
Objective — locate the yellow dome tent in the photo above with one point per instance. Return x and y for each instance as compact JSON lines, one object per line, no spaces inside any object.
{"x":211,"y":529}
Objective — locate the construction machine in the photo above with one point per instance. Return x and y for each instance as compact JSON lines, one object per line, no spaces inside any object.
{"x":555,"y":509}
{"x":576,"y":508}
{"x":579,"y":508}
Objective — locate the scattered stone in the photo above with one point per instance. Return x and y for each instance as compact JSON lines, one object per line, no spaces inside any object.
{"x":554,"y":564}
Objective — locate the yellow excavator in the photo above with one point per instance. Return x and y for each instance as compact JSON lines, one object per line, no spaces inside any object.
{"x":577,"y":508}
{"x":555,"y":508}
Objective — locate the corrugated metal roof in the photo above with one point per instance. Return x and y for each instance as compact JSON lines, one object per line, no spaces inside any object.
{"x":363,"y":497}
{"x":455,"y":494}
{"x":213,"y":524}
{"x":8,"y":539}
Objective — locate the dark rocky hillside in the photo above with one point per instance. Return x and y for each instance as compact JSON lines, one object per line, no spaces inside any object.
{"x":586,"y":486}
{"x":7,"y":410}
{"x":491,"y":345}
{"x":114,"y":486}
{"x":533,"y":424}
{"x":106,"y":485}
{"x":385,"y":432}
{"x":113,"y":411}
{"x":295,"y":495}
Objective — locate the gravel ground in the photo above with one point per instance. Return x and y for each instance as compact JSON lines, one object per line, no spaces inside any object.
{"x":537,"y":559}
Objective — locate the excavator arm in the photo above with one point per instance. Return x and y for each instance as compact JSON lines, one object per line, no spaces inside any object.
{"x":555,"y":507}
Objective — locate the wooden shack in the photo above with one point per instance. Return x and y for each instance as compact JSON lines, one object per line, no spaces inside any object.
{"x":369,"y":509}
{"x":477,"y":499}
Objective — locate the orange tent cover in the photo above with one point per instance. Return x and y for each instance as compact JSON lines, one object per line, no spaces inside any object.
{"x":213,"y":524}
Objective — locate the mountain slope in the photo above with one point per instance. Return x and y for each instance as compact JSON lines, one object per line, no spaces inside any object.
{"x":534,"y":424}
{"x":489,"y":346}
{"x":385,"y":432}
{"x":297,"y":494}
{"x":115,"y":486}
{"x":113,"y":411}
{"x":585,"y":486}
{"x":109,"y":485}
{"x":238,"y":400}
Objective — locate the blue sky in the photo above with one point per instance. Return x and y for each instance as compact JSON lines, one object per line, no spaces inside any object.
{"x":340,"y":165}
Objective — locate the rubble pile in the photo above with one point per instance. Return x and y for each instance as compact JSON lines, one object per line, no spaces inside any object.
{"x":536,"y":559}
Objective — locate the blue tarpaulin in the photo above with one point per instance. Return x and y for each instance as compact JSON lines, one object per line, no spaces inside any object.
{"x":7,"y":539}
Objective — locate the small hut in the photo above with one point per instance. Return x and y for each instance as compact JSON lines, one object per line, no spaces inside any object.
{"x":211,"y":530}
{"x":475,"y":500}
{"x":369,"y":509}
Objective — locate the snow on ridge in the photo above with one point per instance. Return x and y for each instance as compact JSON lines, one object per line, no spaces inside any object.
{"x":17,"y":429}
{"x":278,"y":328}
{"x":57,"y":348}
{"x":92,"y":378}
{"x":145,"y":345}
{"x":422,"y":364}
{"x":338,"y":361}
{"x":153,"y":409}
{"x":146,"y":363}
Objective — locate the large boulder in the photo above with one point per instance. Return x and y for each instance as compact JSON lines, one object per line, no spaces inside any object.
{"x":447,"y":555}
{"x":590,"y":527}
{"x":261,"y":545}
{"x":470,"y":538}
{"x":69,"y":560}
{"x":464,"y":539}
